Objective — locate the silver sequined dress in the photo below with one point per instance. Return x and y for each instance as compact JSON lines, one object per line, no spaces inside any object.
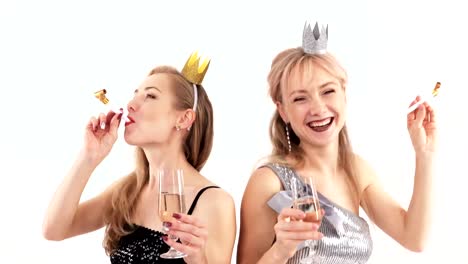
{"x":347,"y":238}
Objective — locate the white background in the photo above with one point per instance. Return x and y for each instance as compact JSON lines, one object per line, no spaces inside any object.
{"x":54,"y":55}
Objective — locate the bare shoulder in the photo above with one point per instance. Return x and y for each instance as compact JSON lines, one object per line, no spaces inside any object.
{"x":262,"y":185}
{"x":213,"y":201}
{"x":264,"y":181}
{"x":217,"y":196}
{"x":212,"y":196}
{"x":365,"y":173}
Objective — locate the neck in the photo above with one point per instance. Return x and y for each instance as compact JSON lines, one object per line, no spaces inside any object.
{"x":166,"y":156}
{"x":322,"y":159}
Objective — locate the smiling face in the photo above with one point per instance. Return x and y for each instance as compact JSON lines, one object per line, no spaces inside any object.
{"x":314,"y":103}
{"x":152,"y":112}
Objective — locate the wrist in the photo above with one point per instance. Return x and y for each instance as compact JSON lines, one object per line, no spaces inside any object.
{"x":425,"y":155}
{"x":84,"y":160}
{"x":278,"y":254}
{"x":425,"y":163}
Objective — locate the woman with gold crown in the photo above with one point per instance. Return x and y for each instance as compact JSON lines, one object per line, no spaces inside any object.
{"x":170,"y":121}
{"x":283,"y":220}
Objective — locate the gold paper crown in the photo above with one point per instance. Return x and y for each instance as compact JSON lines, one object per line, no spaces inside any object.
{"x":192,"y":71}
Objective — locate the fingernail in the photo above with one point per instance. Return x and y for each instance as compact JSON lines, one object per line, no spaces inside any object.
{"x":164,"y":238}
{"x":176,"y":215}
{"x":167,"y":224}
{"x":103,"y":125}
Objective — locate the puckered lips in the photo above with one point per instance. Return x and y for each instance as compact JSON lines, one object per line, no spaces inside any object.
{"x":129,"y":121}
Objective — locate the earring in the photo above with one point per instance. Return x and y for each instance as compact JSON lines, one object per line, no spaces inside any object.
{"x":287,"y":137}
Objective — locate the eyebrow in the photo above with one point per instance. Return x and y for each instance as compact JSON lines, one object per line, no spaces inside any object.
{"x":327,"y":83}
{"x":149,"y":88}
{"x":305,"y":91}
{"x":152,"y":87}
{"x":297,"y":92}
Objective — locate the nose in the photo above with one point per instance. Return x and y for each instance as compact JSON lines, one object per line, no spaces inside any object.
{"x":317,"y":106}
{"x":132,"y":105}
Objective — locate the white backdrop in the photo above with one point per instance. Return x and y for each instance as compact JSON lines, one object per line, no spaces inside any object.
{"x":54,"y":55}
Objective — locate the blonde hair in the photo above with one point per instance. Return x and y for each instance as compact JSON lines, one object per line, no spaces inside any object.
{"x":197,"y":148}
{"x":283,"y":65}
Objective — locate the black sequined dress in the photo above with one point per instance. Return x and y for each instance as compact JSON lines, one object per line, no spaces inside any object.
{"x":144,"y":245}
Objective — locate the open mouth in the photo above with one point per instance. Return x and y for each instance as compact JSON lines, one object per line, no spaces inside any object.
{"x":321,"y":125}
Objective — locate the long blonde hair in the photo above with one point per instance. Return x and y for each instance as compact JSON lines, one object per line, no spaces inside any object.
{"x":197,"y":148}
{"x":280,"y":73}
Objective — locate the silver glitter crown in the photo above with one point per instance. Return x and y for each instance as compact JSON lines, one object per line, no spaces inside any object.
{"x":314,"y":41}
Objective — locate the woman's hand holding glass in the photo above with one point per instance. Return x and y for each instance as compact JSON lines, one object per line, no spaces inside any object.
{"x":291,"y":230}
{"x":307,"y":201}
{"x":171,"y":204}
{"x":193,"y":234}
{"x":189,"y":229}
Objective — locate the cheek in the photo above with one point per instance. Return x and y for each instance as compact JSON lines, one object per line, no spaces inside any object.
{"x":159,"y":124}
{"x":339,"y":103}
{"x":155,"y":131}
{"x":296,"y":113}
{"x":158,"y":115}
{"x":342,"y":111}
{"x":155,"y":123}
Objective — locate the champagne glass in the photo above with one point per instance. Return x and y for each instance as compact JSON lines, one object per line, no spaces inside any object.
{"x":171,"y":200}
{"x":306,"y":199}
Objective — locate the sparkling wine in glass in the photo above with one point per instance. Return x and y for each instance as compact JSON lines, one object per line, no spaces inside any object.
{"x":171,"y":200}
{"x":306,"y":199}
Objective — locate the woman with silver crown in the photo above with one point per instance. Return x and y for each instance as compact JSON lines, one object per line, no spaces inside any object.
{"x":310,"y":141}
{"x":170,"y":121}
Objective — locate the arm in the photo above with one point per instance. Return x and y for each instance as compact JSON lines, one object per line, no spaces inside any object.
{"x":257,"y":219}
{"x":260,"y":224}
{"x":65,"y":217}
{"x":218,"y":210}
{"x":408,"y":227}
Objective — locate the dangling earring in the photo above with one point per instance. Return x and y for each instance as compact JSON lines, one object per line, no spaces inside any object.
{"x":287,"y":137}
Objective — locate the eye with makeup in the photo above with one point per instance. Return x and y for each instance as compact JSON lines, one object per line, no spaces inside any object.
{"x":329,"y":91}
{"x":299,"y":99}
{"x":150,"y":96}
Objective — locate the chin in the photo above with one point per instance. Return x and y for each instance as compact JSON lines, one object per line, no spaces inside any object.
{"x":321,"y":143}
{"x":131,"y":141}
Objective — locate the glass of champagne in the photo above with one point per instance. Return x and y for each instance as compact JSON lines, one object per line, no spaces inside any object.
{"x":306,"y":199}
{"x":171,"y":200}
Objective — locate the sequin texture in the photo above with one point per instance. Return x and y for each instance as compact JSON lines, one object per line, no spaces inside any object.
{"x":351,"y":243}
{"x":143,"y":246}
